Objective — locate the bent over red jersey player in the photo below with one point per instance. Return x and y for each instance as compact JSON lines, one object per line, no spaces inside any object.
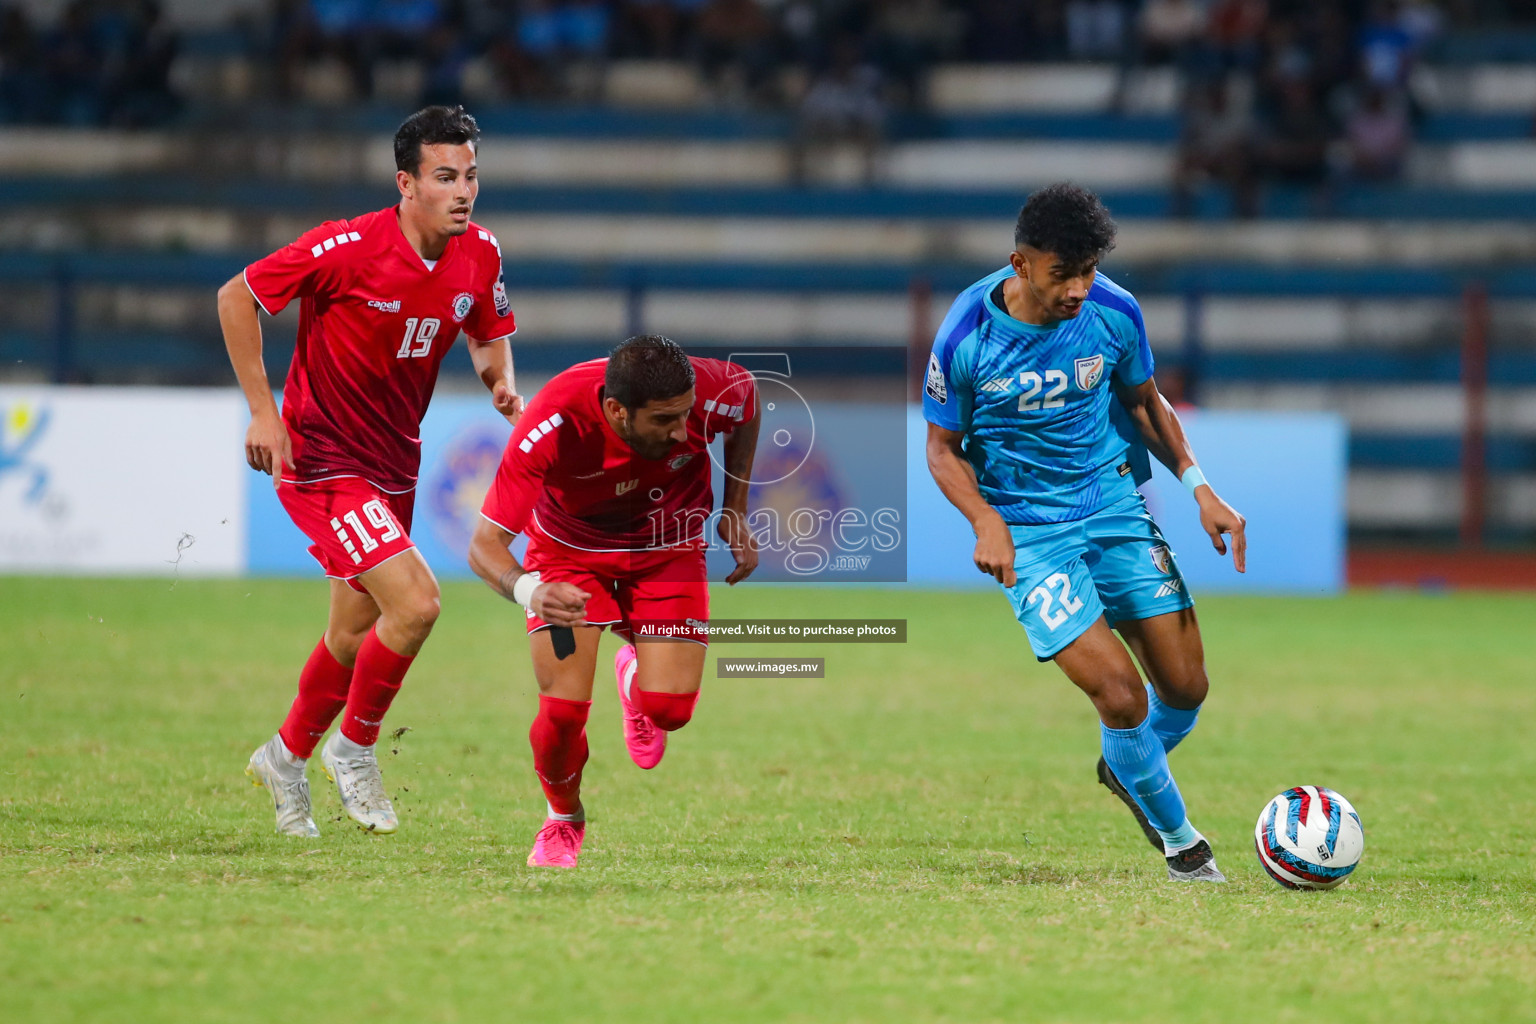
{"x":383,"y":297}
{"x":608,"y":474}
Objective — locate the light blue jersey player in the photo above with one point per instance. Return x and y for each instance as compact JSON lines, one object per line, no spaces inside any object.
{"x":1042,"y":410}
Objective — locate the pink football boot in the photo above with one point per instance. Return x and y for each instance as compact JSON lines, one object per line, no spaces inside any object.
{"x":646,"y":743}
{"x":558,"y":844}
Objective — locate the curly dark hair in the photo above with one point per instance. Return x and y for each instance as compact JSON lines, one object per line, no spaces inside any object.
{"x":1067,"y":220}
{"x":432,"y":126}
{"x":645,"y":369}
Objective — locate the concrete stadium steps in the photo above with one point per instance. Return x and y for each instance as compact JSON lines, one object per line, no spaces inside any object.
{"x":215,"y":68}
{"x":638,"y":234}
{"x":1302,"y":336}
{"x":1408,"y":411}
{"x":1481,"y":88}
{"x":946,"y":164}
{"x":1432,"y":502}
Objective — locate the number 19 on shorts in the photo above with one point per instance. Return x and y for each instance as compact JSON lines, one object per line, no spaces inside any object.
{"x":349,"y":525}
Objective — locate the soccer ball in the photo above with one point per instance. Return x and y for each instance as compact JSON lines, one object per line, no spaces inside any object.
{"x":1309,"y":838}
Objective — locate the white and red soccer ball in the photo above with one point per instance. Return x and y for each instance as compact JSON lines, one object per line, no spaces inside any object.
{"x":1309,"y":838}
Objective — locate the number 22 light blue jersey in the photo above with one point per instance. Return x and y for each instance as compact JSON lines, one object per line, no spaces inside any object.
{"x":1049,"y":441}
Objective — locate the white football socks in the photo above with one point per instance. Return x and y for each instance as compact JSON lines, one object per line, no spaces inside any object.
{"x":346,"y":749}
{"x":576,"y":819}
{"x":288,"y":763}
{"x":629,"y":678}
{"x":1174,"y":851}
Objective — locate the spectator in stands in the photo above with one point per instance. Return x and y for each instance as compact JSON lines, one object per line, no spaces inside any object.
{"x":1291,"y":142}
{"x":1386,"y":47}
{"x":23,"y":73}
{"x":560,"y":49}
{"x":1170,"y":32}
{"x":1098,"y":29}
{"x":907,"y":37}
{"x":443,"y":58}
{"x":413,"y":31}
{"x":140,"y":94}
{"x":1005,"y":30}
{"x":660,"y":29}
{"x":73,"y":61}
{"x":1216,"y":145}
{"x":1377,"y":135}
{"x":737,"y":49}
{"x":339,"y":30}
{"x":1328,"y":38}
{"x":1235,"y":32}
{"x":844,"y":104}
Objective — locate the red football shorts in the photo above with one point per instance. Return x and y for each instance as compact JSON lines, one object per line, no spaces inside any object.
{"x":355,"y":526}
{"x":667,"y":586}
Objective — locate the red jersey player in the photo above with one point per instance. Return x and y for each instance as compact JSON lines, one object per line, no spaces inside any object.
{"x":608,"y":474}
{"x":383,"y":297}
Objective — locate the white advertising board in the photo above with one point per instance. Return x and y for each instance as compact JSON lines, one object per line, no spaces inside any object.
{"x":122,"y":480}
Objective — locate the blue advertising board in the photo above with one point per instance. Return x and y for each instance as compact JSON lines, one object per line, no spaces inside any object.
{"x":877,"y":516}
{"x":1285,"y":472}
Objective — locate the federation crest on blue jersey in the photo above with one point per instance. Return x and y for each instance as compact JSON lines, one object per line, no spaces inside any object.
{"x":1089,"y":372}
{"x":462,"y":303}
{"x":1162,"y":558}
{"x":935,"y":386}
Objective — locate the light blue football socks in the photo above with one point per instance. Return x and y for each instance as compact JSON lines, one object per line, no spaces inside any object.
{"x":1170,"y":724}
{"x":1138,"y":759}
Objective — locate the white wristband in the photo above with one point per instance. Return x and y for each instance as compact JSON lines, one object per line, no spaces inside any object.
{"x":1193,"y":478}
{"x":522,"y":590}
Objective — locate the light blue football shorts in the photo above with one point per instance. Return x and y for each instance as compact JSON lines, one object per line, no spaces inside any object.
{"x":1115,"y":563}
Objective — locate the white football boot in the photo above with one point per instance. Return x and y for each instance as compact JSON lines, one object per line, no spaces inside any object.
{"x":360,"y":786}
{"x":270,"y":767}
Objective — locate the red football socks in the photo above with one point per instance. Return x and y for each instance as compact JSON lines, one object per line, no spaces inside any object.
{"x":375,"y":680}
{"x":669,"y":711}
{"x":322,"y":694}
{"x":559,"y":740}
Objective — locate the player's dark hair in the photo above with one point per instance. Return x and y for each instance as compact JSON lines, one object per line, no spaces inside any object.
{"x":432,"y":126}
{"x":1067,"y":220}
{"x":647,"y":368}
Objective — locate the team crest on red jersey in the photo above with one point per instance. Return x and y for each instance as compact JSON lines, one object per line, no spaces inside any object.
{"x":1089,"y":372}
{"x":462,"y":303}
{"x":680,"y":461}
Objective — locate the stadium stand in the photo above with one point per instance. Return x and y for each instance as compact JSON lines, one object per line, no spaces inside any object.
{"x":1323,"y":206}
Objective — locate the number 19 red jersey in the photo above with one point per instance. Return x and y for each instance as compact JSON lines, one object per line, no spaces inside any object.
{"x":374,"y":326}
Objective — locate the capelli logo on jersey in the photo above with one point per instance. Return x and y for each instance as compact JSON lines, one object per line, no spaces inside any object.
{"x":393,"y":306}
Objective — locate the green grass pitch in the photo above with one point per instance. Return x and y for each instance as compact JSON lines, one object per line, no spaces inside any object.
{"x":916,"y":837}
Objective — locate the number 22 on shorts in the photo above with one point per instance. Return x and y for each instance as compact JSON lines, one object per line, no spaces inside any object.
{"x":1054,"y":616}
